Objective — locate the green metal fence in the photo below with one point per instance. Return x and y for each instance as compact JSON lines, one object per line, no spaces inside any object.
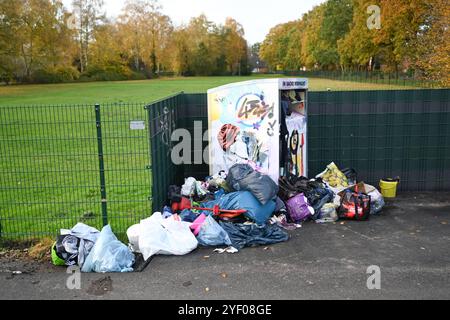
{"x":378,"y":77}
{"x":110,"y":163}
{"x":64,"y":164}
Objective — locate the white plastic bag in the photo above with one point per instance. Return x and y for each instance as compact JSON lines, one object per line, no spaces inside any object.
{"x":109,"y":255}
{"x":157,"y":235}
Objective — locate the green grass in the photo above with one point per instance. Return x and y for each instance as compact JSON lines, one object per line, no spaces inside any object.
{"x":145,"y":91}
{"x":48,"y":155}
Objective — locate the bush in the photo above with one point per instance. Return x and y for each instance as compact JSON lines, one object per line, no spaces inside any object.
{"x":108,"y":73}
{"x":56,"y":75}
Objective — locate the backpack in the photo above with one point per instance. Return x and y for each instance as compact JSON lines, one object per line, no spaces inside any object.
{"x":355,"y":206}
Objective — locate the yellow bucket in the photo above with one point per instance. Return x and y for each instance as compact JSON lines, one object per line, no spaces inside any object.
{"x":389,"y":187}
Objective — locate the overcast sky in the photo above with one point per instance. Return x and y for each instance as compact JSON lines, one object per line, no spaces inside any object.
{"x":257,"y":16}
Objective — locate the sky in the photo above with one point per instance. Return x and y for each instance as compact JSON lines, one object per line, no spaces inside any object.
{"x":256,"y":16}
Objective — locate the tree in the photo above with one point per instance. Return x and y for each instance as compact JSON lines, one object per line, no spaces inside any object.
{"x":33,"y":35}
{"x":357,"y":49}
{"x":236,"y":45}
{"x":432,"y":59}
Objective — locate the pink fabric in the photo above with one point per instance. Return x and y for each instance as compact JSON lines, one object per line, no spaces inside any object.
{"x":197,"y":224}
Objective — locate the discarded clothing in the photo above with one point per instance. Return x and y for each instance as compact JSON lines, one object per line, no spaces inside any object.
{"x":245,"y":200}
{"x":318,"y":197}
{"x":314,"y":190}
{"x":73,"y":246}
{"x":243,"y":177}
{"x":188,"y":215}
{"x":109,"y":255}
{"x":242,"y":235}
{"x":188,"y":189}
{"x":282,"y":222}
{"x":212,"y":234}
{"x":157,"y":235}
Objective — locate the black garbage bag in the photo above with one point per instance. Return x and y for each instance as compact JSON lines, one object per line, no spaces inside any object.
{"x":243,"y":177}
{"x":242,"y":235}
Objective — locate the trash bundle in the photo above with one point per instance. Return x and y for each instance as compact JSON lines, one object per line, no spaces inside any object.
{"x":298,"y":208}
{"x":354,"y":206}
{"x":243,"y":235}
{"x":212,"y":234}
{"x":245,"y":200}
{"x":314,"y":190}
{"x":157,"y":235}
{"x":334,"y":177}
{"x":242,"y":177}
{"x":73,"y":246}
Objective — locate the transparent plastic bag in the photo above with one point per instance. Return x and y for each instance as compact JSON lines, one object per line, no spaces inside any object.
{"x":109,"y":255}
{"x":212,"y":234}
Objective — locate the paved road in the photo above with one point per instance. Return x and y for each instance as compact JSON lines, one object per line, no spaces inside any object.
{"x":409,"y":242}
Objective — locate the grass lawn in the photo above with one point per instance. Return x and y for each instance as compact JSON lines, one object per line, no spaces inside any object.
{"x":145,"y":91}
{"x":49,"y":165}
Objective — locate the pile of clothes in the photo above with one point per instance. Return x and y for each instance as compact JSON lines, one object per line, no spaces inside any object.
{"x":92,"y":250}
{"x":243,"y":208}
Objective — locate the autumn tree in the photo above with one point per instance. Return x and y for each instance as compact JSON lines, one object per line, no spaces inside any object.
{"x":145,"y":33}
{"x":88,"y":15}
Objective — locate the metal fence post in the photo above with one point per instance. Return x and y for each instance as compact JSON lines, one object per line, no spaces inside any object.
{"x":101,"y":165}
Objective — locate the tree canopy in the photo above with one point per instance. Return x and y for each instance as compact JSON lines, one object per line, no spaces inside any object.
{"x":413,"y":37}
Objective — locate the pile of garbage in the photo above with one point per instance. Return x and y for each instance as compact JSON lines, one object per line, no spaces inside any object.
{"x":227,"y":211}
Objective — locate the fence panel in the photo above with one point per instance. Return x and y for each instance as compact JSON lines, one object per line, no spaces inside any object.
{"x":48,"y":170}
{"x":163,"y":119}
{"x":127,"y":171}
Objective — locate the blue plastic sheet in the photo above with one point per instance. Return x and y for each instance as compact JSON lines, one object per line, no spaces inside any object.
{"x":245,"y":200}
{"x":109,"y":255}
{"x":242,"y":235}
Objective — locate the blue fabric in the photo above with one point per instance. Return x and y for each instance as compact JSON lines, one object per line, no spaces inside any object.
{"x":242,"y":235}
{"x":188,"y":216}
{"x":318,"y":198}
{"x":245,"y":200}
{"x":219,"y":194}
